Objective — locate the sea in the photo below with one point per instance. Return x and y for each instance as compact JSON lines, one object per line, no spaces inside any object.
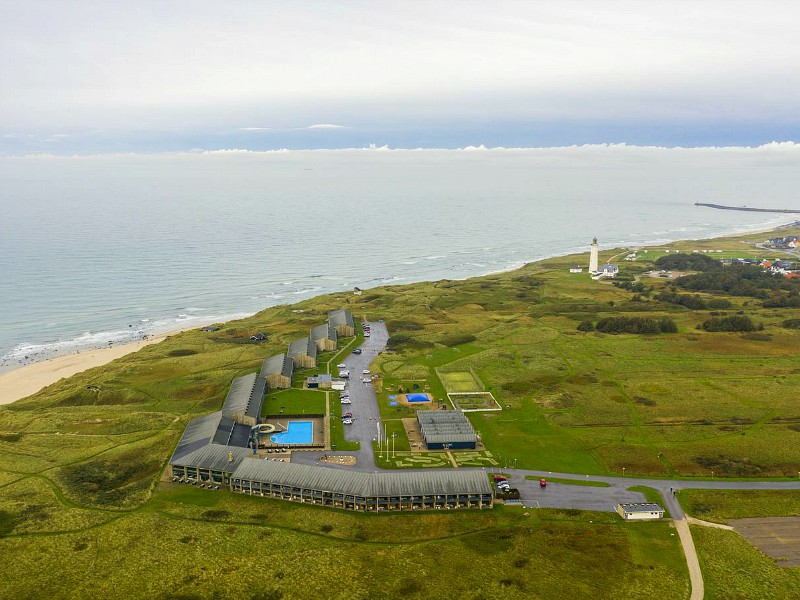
{"x":103,"y":250}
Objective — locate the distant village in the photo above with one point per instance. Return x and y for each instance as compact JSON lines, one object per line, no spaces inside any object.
{"x":787,"y":268}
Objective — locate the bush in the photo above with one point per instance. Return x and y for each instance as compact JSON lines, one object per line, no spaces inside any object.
{"x":587,"y":326}
{"x":690,"y":301}
{"x":458,"y":339}
{"x":718,"y":303}
{"x":732,"y":323}
{"x":792,"y":324}
{"x":641,"y":325}
{"x":403,"y":341}
{"x":687,"y":262}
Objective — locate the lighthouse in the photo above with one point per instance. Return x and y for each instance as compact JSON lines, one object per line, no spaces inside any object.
{"x":593,"y":262}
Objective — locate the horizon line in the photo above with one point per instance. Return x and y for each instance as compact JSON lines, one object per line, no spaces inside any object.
{"x":773,"y":145}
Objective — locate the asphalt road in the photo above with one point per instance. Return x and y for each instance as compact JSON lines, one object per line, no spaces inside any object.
{"x":366,"y":416}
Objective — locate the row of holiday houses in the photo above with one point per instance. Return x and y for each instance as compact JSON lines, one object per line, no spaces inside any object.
{"x":302,"y":352}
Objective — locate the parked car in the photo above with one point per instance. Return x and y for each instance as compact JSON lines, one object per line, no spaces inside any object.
{"x":347,"y":421}
{"x":542,"y":482}
{"x":258,"y":337}
{"x":345,"y":401}
{"x":341,"y":366}
{"x":365,"y":372}
{"x":357,"y":351}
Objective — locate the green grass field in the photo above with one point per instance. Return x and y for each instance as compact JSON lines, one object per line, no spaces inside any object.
{"x":459,"y":382}
{"x":78,"y":467}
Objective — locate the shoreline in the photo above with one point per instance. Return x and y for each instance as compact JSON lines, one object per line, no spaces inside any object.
{"x":27,"y":379}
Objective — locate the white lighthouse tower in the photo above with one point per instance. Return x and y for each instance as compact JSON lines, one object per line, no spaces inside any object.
{"x":593,"y":260}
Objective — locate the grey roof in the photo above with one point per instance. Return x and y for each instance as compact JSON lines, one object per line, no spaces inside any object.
{"x":341,"y":317}
{"x":364,"y":484}
{"x":213,"y":457}
{"x":278,"y":364}
{"x":445,"y":426}
{"x":642,"y":507}
{"x":245,"y":396}
{"x":198,"y":433}
{"x":326,"y":330}
{"x":240,"y":435}
{"x":303,"y":346}
{"x":224,"y":431}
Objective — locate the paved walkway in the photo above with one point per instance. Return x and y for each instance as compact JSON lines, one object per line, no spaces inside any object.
{"x":695,"y":575}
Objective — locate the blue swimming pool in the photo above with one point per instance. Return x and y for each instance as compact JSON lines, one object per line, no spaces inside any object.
{"x":298,"y":432}
{"x":417,"y":398}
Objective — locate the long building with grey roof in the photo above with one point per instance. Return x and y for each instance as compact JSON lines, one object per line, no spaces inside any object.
{"x":278,"y":371}
{"x":371,"y":492}
{"x":245,"y":399}
{"x":303,"y":352}
{"x":342,"y":321}
{"x":446,"y":429}
{"x":325,"y":337}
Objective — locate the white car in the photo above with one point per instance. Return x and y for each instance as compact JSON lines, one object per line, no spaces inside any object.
{"x":345,"y":401}
{"x":365,"y":372}
{"x":347,"y":421}
{"x":341,"y":366}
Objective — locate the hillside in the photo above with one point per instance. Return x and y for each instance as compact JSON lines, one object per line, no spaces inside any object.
{"x":80,"y":461}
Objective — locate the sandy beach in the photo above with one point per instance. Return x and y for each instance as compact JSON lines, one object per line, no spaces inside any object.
{"x":29,"y":379}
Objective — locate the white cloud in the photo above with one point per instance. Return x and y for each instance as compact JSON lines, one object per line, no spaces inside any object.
{"x":198,"y":63}
{"x":325,"y":126}
{"x":255,"y":128}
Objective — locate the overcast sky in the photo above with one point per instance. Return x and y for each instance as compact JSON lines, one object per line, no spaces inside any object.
{"x":133,"y":75}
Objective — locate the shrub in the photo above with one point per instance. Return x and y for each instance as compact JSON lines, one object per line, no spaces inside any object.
{"x":732,"y":323}
{"x":183,"y":352}
{"x":792,"y":324}
{"x":586,"y":326}
{"x":458,"y":339}
{"x":642,"y":325}
{"x":690,"y":301}
{"x":718,"y":303}
{"x":687,"y":262}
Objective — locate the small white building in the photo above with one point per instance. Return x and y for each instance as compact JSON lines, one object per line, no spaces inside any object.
{"x":609,"y":270}
{"x":576,"y":269}
{"x":640,"y":512}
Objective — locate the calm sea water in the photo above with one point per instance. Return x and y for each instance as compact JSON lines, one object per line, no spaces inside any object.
{"x":99,"y":249}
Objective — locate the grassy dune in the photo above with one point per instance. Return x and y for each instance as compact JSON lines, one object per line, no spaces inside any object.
{"x":81,"y":514}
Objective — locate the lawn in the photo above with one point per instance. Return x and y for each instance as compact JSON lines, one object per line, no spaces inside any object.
{"x":295,"y":402}
{"x":719,"y":506}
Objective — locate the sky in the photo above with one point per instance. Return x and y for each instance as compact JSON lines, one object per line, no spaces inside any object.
{"x":92,"y":76}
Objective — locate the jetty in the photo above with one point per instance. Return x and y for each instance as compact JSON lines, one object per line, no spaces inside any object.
{"x":748,"y":209}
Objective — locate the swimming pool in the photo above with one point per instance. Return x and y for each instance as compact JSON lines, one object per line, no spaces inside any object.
{"x":297,"y":432}
{"x":417,"y":398}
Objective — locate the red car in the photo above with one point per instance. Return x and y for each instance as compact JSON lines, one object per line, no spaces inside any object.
{"x":500,"y":478}
{"x":542,"y":482}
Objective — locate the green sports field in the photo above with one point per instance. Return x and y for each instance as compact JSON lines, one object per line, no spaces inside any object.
{"x":460,"y":382}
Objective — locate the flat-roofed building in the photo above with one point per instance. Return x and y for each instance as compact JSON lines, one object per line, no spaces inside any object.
{"x":322,"y":381}
{"x":343,"y":323}
{"x":325,"y":337}
{"x":640,"y":511}
{"x":245,"y":398}
{"x":446,"y":430}
{"x":303,"y":352}
{"x":278,"y":371}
